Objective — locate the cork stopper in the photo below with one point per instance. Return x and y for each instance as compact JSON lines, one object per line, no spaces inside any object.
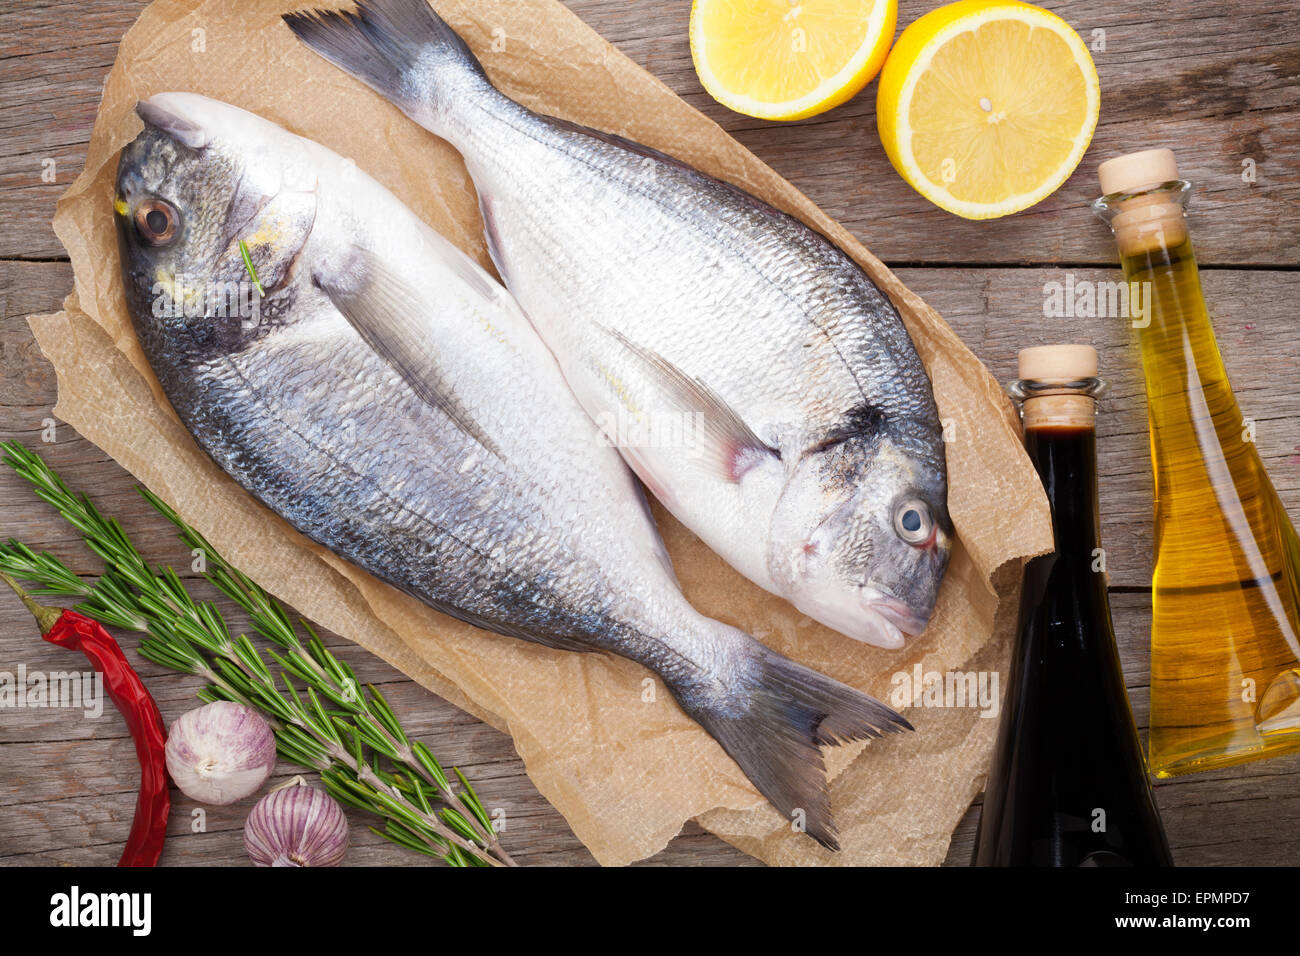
{"x":1146,"y":223}
{"x":1058,"y":364}
{"x":1135,"y":171}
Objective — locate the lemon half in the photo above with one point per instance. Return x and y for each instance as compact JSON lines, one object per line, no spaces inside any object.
{"x":788,"y":59}
{"x":985,"y":108}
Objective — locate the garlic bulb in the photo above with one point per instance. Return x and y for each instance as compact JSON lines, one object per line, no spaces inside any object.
{"x":296,"y":825}
{"x":220,"y":753}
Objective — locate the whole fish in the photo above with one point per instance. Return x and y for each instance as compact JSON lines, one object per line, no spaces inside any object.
{"x":387,"y":397}
{"x":751,"y":373}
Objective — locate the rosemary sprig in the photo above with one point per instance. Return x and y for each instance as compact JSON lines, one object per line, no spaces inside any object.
{"x":19,"y":560}
{"x":332,"y":725}
{"x":248,"y":266}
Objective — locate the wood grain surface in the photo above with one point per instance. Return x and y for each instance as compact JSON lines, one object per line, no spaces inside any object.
{"x":1216,"y":81}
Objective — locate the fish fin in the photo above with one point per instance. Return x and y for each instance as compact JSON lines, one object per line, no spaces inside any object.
{"x":787,"y":713}
{"x":660,"y":549}
{"x":386,"y":42}
{"x":622,"y":142}
{"x":385,"y":312}
{"x":724,"y":443}
{"x":155,"y":113}
{"x":559,"y":642}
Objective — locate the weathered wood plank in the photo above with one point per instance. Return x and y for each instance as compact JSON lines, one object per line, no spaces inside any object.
{"x":1211,"y":819}
{"x":54,"y":57}
{"x":1217,"y":82}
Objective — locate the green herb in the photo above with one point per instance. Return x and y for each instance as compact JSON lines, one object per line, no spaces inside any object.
{"x":248,"y":264}
{"x":323,"y":719}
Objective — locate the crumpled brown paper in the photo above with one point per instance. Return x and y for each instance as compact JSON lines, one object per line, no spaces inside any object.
{"x":626,"y":772}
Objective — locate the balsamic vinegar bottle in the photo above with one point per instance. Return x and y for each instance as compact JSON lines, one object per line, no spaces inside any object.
{"x":1068,"y":785}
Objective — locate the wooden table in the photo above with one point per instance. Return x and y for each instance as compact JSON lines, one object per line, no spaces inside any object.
{"x":1215,"y":80}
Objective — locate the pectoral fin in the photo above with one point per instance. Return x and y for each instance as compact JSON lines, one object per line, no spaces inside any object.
{"x":386,"y":313}
{"x":721,"y":439}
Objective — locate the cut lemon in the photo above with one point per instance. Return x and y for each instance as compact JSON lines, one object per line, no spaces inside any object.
{"x":788,"y":59}
{"x":985,"y":108}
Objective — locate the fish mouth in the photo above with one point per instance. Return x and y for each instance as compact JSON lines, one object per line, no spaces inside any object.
{"x":870,"y":615}
{"x":895,"y":612}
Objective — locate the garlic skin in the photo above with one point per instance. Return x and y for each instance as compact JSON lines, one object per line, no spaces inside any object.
{"x":296,"y":825}
{"x":220,"y":753}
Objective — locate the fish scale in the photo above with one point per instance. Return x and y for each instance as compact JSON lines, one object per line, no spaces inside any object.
{"x":539,"y":228}
{"x":312,"y":473}
{"x":639,"y":222}
{"x":397,"y":407}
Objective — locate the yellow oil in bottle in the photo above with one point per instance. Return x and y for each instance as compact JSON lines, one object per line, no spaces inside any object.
{"x":1225,"y":635}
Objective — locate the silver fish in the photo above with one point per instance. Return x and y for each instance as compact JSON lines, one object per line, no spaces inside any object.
{"x":388,"y":398}
{"x":751,"y":373}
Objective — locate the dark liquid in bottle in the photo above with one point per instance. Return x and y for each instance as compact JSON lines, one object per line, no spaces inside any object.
{"x":1068,"y":786}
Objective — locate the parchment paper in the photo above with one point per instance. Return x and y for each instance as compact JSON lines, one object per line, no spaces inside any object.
{"x":625,"y":771}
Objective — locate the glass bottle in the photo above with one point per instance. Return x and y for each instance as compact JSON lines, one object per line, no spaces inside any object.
{"x":1225,"y":659}
{"x":1068,"y":786}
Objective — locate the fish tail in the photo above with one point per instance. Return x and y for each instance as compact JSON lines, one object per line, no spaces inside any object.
{"x":401,"y":49}
{"x":773,"y":724}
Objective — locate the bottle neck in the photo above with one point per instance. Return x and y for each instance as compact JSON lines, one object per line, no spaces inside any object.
{"x":1147,"y":220}
{"x":1065,"y":457}
{"x":1061,"y":440}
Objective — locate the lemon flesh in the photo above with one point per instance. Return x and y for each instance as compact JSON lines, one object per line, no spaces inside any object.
{"x":783,"y":60}
{"x":986,"y":108}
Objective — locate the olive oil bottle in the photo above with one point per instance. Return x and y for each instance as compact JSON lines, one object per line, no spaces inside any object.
{"x":1225,"y":634}
{"x":1068,"y":786}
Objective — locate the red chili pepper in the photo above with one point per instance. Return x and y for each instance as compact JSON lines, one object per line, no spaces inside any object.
{"x":79,"y":633}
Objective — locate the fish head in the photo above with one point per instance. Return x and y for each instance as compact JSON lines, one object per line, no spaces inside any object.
{"x":213,"y":207}
{"x":861,"y":536}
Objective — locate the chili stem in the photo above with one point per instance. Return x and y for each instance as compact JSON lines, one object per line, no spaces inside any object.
{"x":46,"y":617}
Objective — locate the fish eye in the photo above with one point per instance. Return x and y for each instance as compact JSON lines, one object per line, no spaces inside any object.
{"x":156,"y":221}
{"x":913,"y":521}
